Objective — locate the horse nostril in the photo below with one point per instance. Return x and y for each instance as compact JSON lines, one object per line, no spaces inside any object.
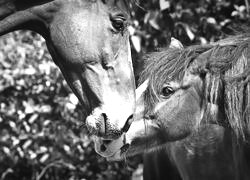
{"x":128,"y":123}
{"x":105,"y":119}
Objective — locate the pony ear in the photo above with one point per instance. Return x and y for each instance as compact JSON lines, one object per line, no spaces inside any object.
{"x":140,"y":108}
{"x":24,"y":14}
{"x":175,"y":43}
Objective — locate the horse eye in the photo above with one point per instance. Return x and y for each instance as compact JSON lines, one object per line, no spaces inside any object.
{"x":118,"y":23}
{"x":167,"y":91}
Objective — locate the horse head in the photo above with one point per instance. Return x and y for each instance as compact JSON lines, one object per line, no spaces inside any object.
{"x":89,"y":41}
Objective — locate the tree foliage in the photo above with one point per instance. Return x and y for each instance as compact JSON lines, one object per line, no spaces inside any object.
{"x":41,"y":132}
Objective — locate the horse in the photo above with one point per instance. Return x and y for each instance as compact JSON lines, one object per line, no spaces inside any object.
{"x":89,"y":42}
{"x":193,"y":113}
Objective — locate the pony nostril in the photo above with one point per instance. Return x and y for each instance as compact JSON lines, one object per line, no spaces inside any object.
{"x":106,"y":141}
{"x":103,"y":148}
{"x":149,"y":116}
{"x":152,"y":116}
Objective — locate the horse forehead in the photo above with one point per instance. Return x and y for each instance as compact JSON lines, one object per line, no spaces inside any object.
{"x":88,"y":4}
{"x":81,"y":3}
{"x":75,"y":6}
{"x":81,"y":18}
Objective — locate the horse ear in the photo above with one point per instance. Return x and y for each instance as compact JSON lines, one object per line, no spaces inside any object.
{"x":175,"y":43}
{"x":23,"y":14}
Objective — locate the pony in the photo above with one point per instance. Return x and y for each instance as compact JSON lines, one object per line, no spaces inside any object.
{"x":89,"y":42}
{"x":193,"y":106}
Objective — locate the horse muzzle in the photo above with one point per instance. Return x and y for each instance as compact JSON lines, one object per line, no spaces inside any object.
{"x":101,"y":125}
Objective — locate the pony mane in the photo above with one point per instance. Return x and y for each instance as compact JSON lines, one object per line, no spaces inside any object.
{"x":227,"y":67}
{"x":164,"y":66}
{"x":227,"y":81}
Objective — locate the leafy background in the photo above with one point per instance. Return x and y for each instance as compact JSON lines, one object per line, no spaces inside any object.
{"x":41,"y":132}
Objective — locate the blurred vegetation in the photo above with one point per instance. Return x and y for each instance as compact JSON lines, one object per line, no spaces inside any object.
{"x":41,"y":132}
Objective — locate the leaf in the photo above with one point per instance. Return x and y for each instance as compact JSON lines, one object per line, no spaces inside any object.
{"x":29,"y":106}
{"x":46,"y":123}
{"x":43,"y":149}
{"x":6,"y":150}
{"x":12,"y":125}
{"x":211,"y":20}
{"x":33,"y":118}
{"x":203,"y":40}
{"x":32,"y":154}
{"x":131,"y":30}
{"x":29,"y":71}
{"x":26,"y":126}
{"x":20,"y":152}
{"x":66,"y":148}
{"x":44,"y":109}
{"x":136,"y":41}
{"x":153,"y":20}
{"x":27,"y":144}
{"x":235,"y":13}
{"x":73,"y":99}
{"x":164,"y":4}
{"x":44,"y":158}
{"x":175,"y":43}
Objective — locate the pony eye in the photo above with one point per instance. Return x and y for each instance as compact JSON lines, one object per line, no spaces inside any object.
{"x":118,"y":23}
{"x":167,"y":91}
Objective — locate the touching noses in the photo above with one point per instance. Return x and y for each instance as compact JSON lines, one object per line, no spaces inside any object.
{"x":100,"y":125}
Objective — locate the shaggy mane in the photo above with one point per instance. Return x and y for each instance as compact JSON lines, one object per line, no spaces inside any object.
{"x":227,"y":67}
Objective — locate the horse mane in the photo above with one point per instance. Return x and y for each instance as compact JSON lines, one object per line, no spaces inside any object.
{"x":227,"y":67}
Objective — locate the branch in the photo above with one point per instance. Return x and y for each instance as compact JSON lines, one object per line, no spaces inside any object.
{"x":8,"y":171}
{"x":54,"y":164}
{"x":247,"y":6}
